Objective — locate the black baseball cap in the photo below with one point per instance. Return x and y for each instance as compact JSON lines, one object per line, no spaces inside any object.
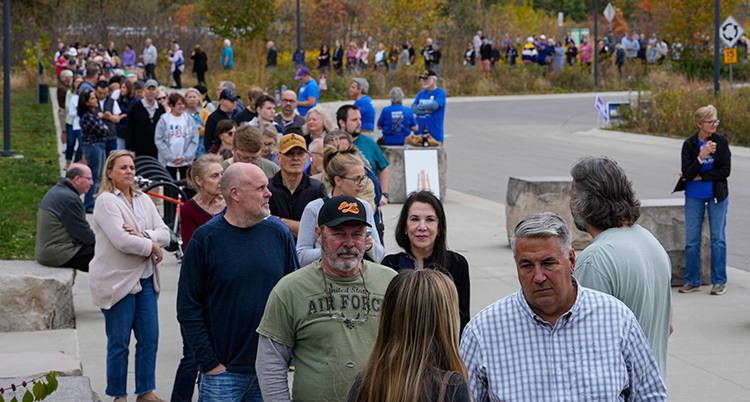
{"x":343,"y":208}
{"x":229,"y":95}
{"x":427,"y":73}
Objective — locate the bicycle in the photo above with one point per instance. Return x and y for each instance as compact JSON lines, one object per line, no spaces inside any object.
{"x":149,"y":187}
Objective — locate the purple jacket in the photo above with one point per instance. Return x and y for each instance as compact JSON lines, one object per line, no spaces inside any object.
{"x":128,"y":58}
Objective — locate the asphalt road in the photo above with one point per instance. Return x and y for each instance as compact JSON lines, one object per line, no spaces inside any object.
{"x":491,"y":139}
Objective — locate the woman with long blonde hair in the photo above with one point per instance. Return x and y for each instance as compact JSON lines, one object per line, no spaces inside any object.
{"x":415,"y":357}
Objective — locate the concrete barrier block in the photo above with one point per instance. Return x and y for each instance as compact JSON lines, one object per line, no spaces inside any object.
{"x":397,"y":186}
{"x":34,"y":364}
{"x":35,"y":297}
{"x":530,"y":195}
{"x":665,"y":219}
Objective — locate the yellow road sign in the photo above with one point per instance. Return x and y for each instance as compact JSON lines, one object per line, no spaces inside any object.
{"x":730,"y":56}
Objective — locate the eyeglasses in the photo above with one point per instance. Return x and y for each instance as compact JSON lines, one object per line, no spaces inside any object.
{"x":713,"y":122}
{"x":357,"y":180}
{"x":269,"y":144}
{"x":349,"y":322}
{"x":231,"y":132}
{"x":87,"y":178}
{"x":289,"y":100}
{"x":161,"y":99}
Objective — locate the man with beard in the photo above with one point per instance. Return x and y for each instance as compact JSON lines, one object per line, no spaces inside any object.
{"x":222,"y":293}
{"x":325,"y":314}
{"x":625,"y":260}
{"x":291,"y":122}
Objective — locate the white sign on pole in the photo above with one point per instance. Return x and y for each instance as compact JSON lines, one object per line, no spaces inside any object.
{"x":421,"y":171}
{"x":560,"y":19}
{"x":730,"y":31}
{"x":609,"y":12}
{"x":602,"y":108}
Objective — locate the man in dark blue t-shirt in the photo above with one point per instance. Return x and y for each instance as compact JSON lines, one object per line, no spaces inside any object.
{"x":231,"y":265}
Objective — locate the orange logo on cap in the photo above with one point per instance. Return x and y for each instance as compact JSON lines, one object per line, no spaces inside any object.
{"x":349,"y":207}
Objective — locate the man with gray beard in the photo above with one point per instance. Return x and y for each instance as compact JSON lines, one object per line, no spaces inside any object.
{"x":326,"y":314}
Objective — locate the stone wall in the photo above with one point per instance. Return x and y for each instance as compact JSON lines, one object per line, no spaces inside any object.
{"x":35,"y":297}
{"x":530,"y":195}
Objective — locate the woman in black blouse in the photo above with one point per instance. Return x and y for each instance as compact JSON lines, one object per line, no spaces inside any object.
{"x":421,"y":232}
{"x":324,"y":60}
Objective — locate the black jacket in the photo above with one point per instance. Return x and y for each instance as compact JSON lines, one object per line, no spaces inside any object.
{"x":722,"y":165}
{"x":139,"y":133}
{"x":200,"y":62}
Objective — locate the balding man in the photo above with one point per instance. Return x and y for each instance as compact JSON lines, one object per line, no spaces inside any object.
{"x":291,"y":122}
{"x":63,"y":236}
{"x":222,"y":293}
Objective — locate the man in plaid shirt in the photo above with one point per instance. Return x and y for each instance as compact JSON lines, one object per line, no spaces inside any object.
{"x":555,"y":340}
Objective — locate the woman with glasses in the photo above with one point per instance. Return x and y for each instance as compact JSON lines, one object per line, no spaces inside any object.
{"x":415,"y":357}
{"x":176,"y":137}
{"x":163,"y":100}
{"x":706,"y":162}
{"x":223,"y":135}
{"x":346,"y":173}
{"x":421,"y":231}
{"x":270,"y":139}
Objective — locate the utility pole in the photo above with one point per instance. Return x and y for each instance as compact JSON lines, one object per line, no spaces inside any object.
{"x":717,"y":60}
{"x":595,"y":42}
{"x":6,"y":84}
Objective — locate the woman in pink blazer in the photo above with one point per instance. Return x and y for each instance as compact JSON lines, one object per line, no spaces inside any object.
{"x":124,"y":276}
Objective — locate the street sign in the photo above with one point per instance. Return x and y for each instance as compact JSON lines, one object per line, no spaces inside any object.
{"x":730,"y":56}
{"x":560,"y":19}
{"x":602,"y":108}
{"x":609,"y":12}
{"x":730,"y":31}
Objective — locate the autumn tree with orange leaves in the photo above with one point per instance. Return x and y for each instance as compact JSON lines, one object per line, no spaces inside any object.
{"x":682,"y":19}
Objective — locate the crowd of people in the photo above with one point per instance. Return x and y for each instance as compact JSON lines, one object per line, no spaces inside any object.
{"x":300,"y":193}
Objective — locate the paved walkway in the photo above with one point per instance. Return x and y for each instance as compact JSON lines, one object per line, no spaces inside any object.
{"x":709,"y":352}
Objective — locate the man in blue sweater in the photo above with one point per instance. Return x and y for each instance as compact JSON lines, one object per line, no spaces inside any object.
{"x":230,"y":268}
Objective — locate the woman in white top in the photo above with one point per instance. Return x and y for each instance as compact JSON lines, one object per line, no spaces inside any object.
{"x":176,"y":137}
{"x":73,"y":123}
{"x":347,"y":174}
{"x":124,"y":276}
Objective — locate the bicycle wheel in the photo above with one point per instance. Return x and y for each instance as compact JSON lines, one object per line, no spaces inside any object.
{"x":168,"y":212}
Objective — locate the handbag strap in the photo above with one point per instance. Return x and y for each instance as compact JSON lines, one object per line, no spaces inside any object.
{"x":444,"y":385}
{"x":403,"y":110}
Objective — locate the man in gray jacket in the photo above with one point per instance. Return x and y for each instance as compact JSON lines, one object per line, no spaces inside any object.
{"x":149,"y":57}
{"x":63,"y":236}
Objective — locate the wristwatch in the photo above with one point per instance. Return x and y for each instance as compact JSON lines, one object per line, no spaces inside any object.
{"x":386,"y":195}
{"x":146,"y":235}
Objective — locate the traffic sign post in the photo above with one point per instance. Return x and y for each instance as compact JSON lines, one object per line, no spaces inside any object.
{"x":730,"y":32}
{"x":609,"y":14}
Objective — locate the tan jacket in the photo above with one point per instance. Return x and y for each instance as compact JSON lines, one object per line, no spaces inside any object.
{"x":119,"y":257}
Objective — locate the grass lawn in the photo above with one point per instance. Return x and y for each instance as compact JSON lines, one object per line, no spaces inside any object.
{"x":23,"y":182}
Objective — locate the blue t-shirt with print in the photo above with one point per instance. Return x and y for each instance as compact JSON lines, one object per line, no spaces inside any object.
{"x":702,"y":189}
{"x":306,"y":91}
{"x":403,"y":118}
{"x":227,"y":55}
{"x":367,"y":110}
{"x":434,"y":120}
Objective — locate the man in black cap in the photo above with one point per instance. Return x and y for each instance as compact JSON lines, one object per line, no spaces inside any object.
{"x":326,"y":314}
{"x":226,"y":111}
{"x":141,"y":125}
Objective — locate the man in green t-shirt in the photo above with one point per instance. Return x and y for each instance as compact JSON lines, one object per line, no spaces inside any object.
{"x":326,"y":314}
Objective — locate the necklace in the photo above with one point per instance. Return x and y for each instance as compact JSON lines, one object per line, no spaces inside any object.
{"x":349,"y":322}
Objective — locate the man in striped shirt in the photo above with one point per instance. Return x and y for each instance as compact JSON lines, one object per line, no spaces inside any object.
{"x":555,"y":340}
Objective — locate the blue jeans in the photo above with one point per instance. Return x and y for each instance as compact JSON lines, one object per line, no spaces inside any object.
{"x":110,"y":147}
{"x":137,"y":313}
{"x":717,"y":222}
{"x":70,"y":148}
{"x":201,"y":149}
{"x":120,"y":143}
{"x":187,"y":371}
{"x":96,"y":155}
{"x":229,"y":387}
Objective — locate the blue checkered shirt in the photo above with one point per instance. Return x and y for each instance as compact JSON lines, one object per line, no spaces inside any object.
{"x":595,"y":352}
{"x":93,"y":129}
